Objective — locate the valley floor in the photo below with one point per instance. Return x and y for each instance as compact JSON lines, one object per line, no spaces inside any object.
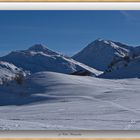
{"x":73,"y":103}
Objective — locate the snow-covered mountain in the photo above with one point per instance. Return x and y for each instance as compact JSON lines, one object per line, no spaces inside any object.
{"x":117,"y":60}
{"x":101,"y":58}
{"x":8,"y":71}
{"x":125,"y":68}
{"x":40,"y":58}
{"x":100,"y":53}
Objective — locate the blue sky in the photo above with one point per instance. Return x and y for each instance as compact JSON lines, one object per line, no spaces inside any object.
{"x":66,"y":31}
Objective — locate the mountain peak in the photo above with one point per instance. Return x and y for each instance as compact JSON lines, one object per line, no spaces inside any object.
{"x":38,"y":47}
{"x":104,"y":41}
{"x":42,"y":48}
{"x":99,"y":53}
{"x":100,"y":43}
{"x":99,"y":39}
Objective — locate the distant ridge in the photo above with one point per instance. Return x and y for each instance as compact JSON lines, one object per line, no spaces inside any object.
{"x":39,"y":58}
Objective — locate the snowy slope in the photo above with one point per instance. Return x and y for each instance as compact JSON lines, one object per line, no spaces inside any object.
{"x":8,"y":71}
{"x":39,"y":58}
{"x":36,"y":86}
{"x":124,"y":69}
{"x":66,"y":102}
{"x":100,"y":53}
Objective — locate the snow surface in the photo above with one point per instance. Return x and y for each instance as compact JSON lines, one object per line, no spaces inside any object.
{"x":54,"y":101}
